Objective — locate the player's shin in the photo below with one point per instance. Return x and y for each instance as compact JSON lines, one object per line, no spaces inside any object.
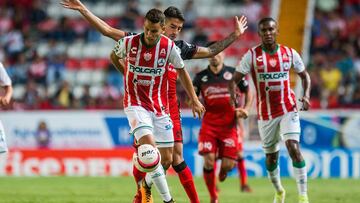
{"x":274,"y":176}
{"x":300,"y":174}
{"x":187,"y":181}
{"x":158,"y":179}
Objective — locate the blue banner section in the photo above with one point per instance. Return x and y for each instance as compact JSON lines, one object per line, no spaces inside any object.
{"x":119,"y":130}
{"x":324,"y":163}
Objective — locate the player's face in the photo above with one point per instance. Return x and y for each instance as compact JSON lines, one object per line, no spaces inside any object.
{"x":173,"y":27}
{"x":268,"y":32}
{"x":217,"y":59}
{"x":152,"y":32}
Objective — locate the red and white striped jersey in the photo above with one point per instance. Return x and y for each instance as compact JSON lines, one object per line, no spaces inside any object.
{"x":146,"y":71}
{"x":270,"y":73}
{"x":4,"y":77}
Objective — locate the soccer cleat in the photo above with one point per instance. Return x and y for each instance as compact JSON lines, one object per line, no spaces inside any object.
{"x":137,"y":197}
{"x":222,"y":176}
{"x":216,"y":200}
{"x":146,"y":196}
{"x":303,"y":199}
{"x":245,"y":188}
{"x":171,"y":201}
{"x":280,"y":197}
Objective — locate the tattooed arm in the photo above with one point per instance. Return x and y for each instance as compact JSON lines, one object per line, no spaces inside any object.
{"x":212,"y":50}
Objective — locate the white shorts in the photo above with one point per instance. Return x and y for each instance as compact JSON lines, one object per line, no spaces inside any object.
{"x":143,"y":122}
{"x":3,"y":145}
{"x":272,"y":131}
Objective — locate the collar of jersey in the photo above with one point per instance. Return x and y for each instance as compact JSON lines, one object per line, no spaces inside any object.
{"x":144,"y":43}
{"x":270,"y":52}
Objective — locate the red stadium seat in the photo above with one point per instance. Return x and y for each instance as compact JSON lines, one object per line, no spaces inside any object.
{"x":113,"y":22}
{"x":102,"y":63}
{"x":88,"y":63}
{"x":72,"y":64}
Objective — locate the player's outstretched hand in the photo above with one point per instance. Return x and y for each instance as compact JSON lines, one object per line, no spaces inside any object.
{"x":197,"y":108}
{"x":305,"y":103}
{"x":4,"y":101}
{"x":241,"y":25}
{"x":72,"y":4}
{"x":241,"y":113}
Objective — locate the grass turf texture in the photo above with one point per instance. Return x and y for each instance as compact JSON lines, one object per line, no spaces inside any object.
{"x":122,"y":189}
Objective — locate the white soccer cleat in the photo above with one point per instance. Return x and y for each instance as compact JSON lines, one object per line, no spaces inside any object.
{"x":280,"y":197}
{"x":303,"y":199}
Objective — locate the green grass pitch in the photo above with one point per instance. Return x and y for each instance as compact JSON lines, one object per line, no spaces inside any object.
{"x":122,"y":189}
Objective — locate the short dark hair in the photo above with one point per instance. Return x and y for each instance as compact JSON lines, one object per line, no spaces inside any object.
{"x":155,"y":16}
{"x":266,"y":19}
{"x":173,"y":12}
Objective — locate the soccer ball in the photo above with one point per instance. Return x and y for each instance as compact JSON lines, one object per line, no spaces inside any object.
{"x":147,"y":158}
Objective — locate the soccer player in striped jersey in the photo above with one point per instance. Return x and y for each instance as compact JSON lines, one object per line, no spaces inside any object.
{"x":5,"y":83}
{"x":173,"y":25}
{"x":269,"y":64}
{"x":148,"y":57}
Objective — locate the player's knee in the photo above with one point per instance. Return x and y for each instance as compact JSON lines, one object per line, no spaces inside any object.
{"x":177,"y":159}
{"x":166,"y":162}
{"x":209,"y":163}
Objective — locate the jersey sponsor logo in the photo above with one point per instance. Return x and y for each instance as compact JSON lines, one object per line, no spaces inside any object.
{"x":275,"y":76}
{"x":274,"y":88}
{"x":161,"y":62}
{"x":216,"y":90}
{"x":205,"y":146}
{"x":146,"y":71}
{"x":133,"y":50}
{"x":259,"y":58}
{"x":227,"y":75}
{"x":273,"y":62}
{"x":285,"y":57}
{"x":147,"y":56}
{"x":229,"y":142}
{"x":163,"y":52}
{"x":286,"y":66}
{"x":204,"y":78}
{"x":143,"y":82}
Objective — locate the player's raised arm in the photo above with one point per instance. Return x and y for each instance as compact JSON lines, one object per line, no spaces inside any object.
{"x":95,"y":21}
{"x":212,"y":50}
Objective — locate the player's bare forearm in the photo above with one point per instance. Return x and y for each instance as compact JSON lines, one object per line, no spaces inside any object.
{"x":232,"y":84}
{"x":214,"y":49}
{"x":115,"y":60}
{"x":306,"y":83}
{"x":5,"y":100}
{"x":95,"y":21}
{"x":249,"y":98}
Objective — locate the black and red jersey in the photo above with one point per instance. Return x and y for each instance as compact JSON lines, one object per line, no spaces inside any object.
{"x":214,"y":91}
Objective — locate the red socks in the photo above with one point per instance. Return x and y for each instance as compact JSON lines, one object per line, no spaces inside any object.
{"x":242,"y":171}
{"x":209,"y":177}
{"x":187,"y":181}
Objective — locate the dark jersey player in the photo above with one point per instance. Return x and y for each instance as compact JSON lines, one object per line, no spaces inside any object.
{"x":173,"y":26}
{"x":218,"y":136}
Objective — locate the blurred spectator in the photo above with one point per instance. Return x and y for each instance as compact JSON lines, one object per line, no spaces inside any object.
{"x":38,"y":70}
{"x":37,"y":13}
{"x":200,"y":38}
{"x":43,"y":136}
{"x":56,"y":69}
{"x":252,"y":10}
{"x":18,"y":71}
{"x":190,"y":14}
{"x":64,"y":96}
{"x":128,"y":20}
{"x":331,"y":78}
{"x":31,"y":96}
